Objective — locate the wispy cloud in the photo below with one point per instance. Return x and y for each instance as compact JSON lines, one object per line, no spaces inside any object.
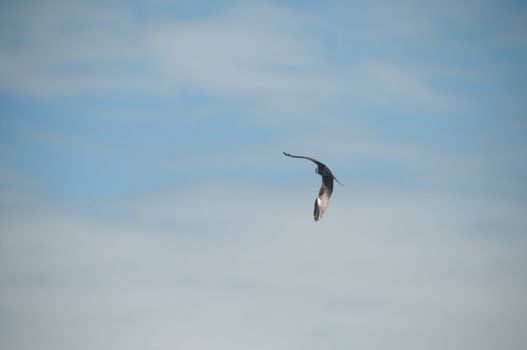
{"x":257,"y":49}
{"x":79,"y":47}
{"x":63,"y":48}
{"x":384,"y":83}
{"x":261,"y":49}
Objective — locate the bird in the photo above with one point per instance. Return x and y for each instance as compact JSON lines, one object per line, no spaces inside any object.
{"x":326,"y":188}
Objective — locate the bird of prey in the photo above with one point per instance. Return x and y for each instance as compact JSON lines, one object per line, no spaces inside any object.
{"x":322,"y":200}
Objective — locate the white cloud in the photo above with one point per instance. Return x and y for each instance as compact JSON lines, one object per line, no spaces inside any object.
{"x":236,"y":267}
{"x":387,"y":84}
{"x":266,"y":52}
{"x":79,"y":47}
{"x":254,"y":49}
{"x":62,"y":48}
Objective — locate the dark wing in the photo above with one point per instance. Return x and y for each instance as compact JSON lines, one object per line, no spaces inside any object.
{"x":324,"y":170}
{"x":322,"y":201}
{"x":334,"y":178}
{"x":327,"y":181}
{"x":308,"y":158}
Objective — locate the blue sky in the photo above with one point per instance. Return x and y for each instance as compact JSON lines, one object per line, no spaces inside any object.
{"x":145,"y":201}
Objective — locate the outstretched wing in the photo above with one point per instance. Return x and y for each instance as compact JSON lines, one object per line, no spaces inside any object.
{"x":324,"y":170}
{"x":308,"y":158}
{"x":322,"y":201}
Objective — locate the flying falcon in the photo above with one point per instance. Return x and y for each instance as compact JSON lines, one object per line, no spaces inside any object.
{"x":322,"y":201}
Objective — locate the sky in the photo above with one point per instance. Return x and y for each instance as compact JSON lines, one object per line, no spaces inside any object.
{"x":145,"y":201}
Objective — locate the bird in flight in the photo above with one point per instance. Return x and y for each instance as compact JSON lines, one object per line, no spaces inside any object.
{"x":322,"y":201}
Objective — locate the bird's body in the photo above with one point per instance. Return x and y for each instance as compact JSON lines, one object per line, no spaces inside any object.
{"x":326,"y":188}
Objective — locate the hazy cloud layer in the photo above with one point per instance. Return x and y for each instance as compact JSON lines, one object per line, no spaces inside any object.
{"x":217,"y":268}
